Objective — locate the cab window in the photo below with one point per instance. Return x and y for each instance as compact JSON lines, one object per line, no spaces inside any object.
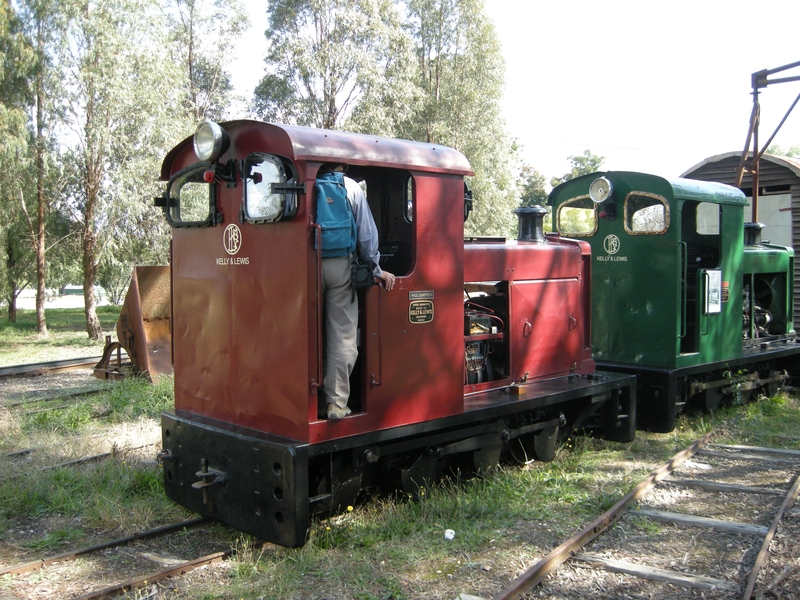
{"x":190,"y":199}
{"x":267,"y":198}
{"x":646,"y":214}
{"x":392,"y":197}
{"x":577,"y":217}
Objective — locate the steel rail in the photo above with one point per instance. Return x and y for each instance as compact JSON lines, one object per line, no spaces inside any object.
{"x":34,"y":369}
{"x":74,"y":554}
{"x":180,"y":569}
{"x":565,"y":551}
{"x":59,"y":396}
{"x":79,"y":461}
{"x":764,"y":552}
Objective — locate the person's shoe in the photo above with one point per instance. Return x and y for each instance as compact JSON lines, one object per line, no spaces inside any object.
{"x":336,"y":412}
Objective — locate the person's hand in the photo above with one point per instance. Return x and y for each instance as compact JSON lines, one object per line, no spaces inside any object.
{"x":388,"y":280}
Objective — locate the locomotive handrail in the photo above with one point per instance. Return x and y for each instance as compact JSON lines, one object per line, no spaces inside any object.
{"x":704,"y":292}
{"x":379,"y":381}
{"x":316,"y":383}
{"x":684,"y":285}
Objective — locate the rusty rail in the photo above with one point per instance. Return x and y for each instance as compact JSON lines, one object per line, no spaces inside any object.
{"x":74,"y":554}
{"x":565,"y":551}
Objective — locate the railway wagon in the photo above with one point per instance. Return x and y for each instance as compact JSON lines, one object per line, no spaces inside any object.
{"x":686,"y":296}
{"x":480,"y":352}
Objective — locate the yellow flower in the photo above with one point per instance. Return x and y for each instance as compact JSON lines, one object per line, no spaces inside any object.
{"x":349,"y":509}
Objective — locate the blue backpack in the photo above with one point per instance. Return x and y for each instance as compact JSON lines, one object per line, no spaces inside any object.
{"x":335,"y":215}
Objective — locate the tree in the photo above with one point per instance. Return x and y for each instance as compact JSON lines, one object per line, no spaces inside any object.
{"x":582,"y":164}
{"x":460,"y":71}
{"x":17,"y":64}
{"x":203,"y":34}
{"x":793,"y":152}
{"x":119,"y":107}
{"x":326,"y":56}
{"x":45,"y":22}
{"x":533,"y":187}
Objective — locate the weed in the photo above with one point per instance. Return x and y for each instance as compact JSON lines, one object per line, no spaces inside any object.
{"x":56,"y":539}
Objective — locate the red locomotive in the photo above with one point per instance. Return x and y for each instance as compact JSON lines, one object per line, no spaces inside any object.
{"x":481,"y":349}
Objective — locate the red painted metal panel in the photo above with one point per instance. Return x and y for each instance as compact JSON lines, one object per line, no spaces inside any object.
{"x":546,"y":329}
{"x":548,"y":293}
{"x":414,"y":370}
{"x":246,"y":327}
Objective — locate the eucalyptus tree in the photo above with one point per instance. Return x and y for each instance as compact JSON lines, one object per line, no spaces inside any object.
{"x":325,"y":57}
{"x":120,"y":109}
{"x":203,"y":36}
{"x":21,"y":71}
{"x":533,"y":183}
{"x":582,"y":164}
{"x":461,"y":72}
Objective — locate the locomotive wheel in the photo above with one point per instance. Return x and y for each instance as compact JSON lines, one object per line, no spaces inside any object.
{"x":544,"y":444}
{"x":345,"y":483}
{"x":712,"y":398}
{"x":485,"y":459}
{"x":771,"y":388}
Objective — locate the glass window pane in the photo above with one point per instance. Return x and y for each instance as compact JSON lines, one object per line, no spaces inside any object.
{"x":577,"y":217}
{"x":261,"y":203}
{"x":190,"y":200}
{"x":707,"y":218}
{"x":646,"y":214}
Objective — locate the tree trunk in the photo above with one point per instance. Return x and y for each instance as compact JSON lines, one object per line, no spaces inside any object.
{"x":12,"y":308}
{"x":39,"y":244}
{"x":89,"y":264}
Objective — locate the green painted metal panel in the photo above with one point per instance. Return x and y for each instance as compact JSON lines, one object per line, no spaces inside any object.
{"x":649,"y":283}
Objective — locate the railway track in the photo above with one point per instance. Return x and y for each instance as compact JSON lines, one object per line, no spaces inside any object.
{"x":123,"y":564}
{"x":702,"y":523}
{"x":45,"y":368}
{"x":27,"y":452}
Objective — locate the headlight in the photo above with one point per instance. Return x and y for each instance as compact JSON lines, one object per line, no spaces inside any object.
{"x":600,"y":190}
{"x":210,"y":141}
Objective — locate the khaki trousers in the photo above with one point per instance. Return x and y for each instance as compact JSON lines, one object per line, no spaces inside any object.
{"x":341,"y":324}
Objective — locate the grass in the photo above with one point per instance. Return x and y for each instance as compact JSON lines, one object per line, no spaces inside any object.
{"x":67,"y":337}
{"x":388,"y":547}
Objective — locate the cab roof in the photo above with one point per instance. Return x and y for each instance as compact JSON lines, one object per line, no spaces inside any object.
{"x":681,"y":189}
{"x":311,"y":144}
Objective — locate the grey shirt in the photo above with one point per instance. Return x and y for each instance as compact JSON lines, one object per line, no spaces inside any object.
{"x":366,"y":231}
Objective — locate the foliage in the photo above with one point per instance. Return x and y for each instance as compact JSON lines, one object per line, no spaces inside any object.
{"x":460,"y":71}
{"x":203,"y":34}
{"x":582,"y":164}
{"x":17,"y":64}
{"x":119,"y":107}
{"x":533,"y":184}
{"x":325,"y":57}
{"x":793,"y":152}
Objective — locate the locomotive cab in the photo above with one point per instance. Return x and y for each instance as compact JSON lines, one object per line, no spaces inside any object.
{"x":676,"y":290}
{"x":248,"y":441}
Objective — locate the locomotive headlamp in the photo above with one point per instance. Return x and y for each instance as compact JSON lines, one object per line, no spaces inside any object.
{"x":600,"y":190}
{"x":210,"y":141}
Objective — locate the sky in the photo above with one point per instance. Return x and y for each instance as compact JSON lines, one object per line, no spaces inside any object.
{"x":654,"y":86}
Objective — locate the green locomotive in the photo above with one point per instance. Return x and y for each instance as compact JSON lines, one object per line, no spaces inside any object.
{"x":684,"y":294}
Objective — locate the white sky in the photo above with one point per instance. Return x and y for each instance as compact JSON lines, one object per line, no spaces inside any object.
{"x":653,"y":86}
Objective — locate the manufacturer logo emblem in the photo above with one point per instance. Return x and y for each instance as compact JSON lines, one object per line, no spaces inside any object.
{"x":611,"y":244}
{"x":232,"y":239}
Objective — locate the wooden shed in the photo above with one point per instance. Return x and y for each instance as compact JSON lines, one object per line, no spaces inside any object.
{"x":778,"y":199}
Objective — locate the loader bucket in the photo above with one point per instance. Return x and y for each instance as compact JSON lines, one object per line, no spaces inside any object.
{"x":143,"y":329}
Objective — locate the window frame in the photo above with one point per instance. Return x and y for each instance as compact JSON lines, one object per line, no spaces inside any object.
{"x":661,"y":200}
{"x":566,"y":204}
{"x":289,"y":202}
{"x":213,"y":216}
